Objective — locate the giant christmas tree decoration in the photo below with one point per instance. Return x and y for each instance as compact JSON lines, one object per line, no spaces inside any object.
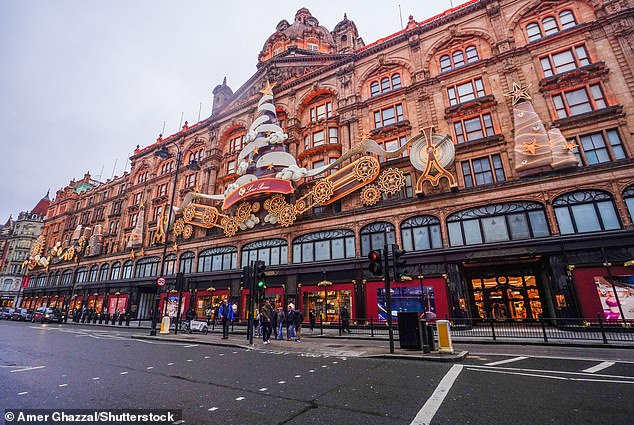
{"x":536,"y":151}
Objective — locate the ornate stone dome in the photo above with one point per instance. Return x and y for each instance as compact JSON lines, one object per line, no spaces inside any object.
{"x":304,"y":33}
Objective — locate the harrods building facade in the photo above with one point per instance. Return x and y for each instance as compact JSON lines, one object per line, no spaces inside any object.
{"x":511,"y":237}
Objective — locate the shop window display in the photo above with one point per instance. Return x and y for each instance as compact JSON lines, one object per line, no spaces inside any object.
{"x":420,"y":299}
{"x":327,"y":303}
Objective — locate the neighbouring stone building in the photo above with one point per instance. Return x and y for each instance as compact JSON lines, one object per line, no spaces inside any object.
{"x":19,"y":237}
{"x":520,"y":205}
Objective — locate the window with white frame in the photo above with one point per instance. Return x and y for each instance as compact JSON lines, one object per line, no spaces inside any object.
{"x":466,"y":91}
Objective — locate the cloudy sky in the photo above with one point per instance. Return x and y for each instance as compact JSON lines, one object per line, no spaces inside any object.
{"x":82,"y":82}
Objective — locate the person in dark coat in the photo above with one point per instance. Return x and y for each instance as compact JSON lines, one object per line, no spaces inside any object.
{"x":311,"y":319}
{"x":345,"y":319}
{"x":298,"y":317}
{"x":189,"y":316}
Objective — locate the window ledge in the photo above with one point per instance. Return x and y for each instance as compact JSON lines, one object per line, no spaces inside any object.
{"x":574,"y":77}
{"x":391,"y":130}
{"x":592,"y":117}
{"x":319,"y":149}
{"x":478,"y":144}
{"x":470,"y":107}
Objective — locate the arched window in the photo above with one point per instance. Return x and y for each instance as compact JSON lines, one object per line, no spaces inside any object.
{"x":81,"y":275}
{"x":458,"y":58}
{"x":103,"y":273}
{"x":628,"y":197}
{"x":533,"y":31}
{"x":497,"y":223}
{"x":170,"y":265}
{"x":322,"y":246}
{"x":56,"y":278}
{"x":385,"y":84}
{"x":272,"y":251}
{"x":472,"y":54}
{"x":445,"y":63}
{"x":147,"y":267}
{"x":550,"y":25}
{"x":115,"y":274}
{"x":421,"y":233}
{"x":567,"y":19}
{"x":375,"y":236}
{"x":127,"y":270}
{"x":396,"y":81}
{"x":187,"y":263}
{"x":41,"y":280}
{"x":220,"y":258}
{"x":585,"y":211}
{"x":67,"y":277}
{"x":94,"y":273}
{"x":374,"y":88}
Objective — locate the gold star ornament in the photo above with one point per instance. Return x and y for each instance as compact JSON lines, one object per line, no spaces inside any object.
{"x":518,"y":93}
{"x":569,"y":146}
{"x":268,"y":89}
{"x":270,"y":166}
{"x":531,"y":147}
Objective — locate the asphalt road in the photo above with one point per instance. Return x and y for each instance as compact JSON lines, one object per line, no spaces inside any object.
{"x":52,"y":366}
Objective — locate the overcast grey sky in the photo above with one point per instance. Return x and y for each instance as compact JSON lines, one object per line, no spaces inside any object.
{"x":82,"y":82}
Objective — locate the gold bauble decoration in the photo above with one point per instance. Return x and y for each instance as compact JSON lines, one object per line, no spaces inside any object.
{"x":300,"y":206}
{"x":255,"y":207}
{"x":231,"y":226}
{"x":275,"y":203}
{"x":243,"y":212}
{"x":209,"y":217}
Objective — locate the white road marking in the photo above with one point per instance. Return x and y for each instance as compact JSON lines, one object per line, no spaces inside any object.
{"x":334,"y":362}
{"x":189,"y":346}
{"x":514,"y":359}
{"x":150,"y":367}
{"x":298,"y":376}
{"x":189,"y":360}
{"x":599,"y":367}
{"x":312,"y":371}
{"x":240,"y":398}
{"x":221,"y":355}
{"x":325,"y":366}
{"x":178,"y":422}
{"x":64,"y":376}
{"x":234,"y":352}
{"x":263,"y":389}
{"x":590,"y":359}
{"x":561,"y":378}
{"x":23,"y":392}
{"x":123,"y":373}
{"x":206,"y":357}
{"x":213,"y":409}
{"x":429,"y":409}
{"x":62,"y":385}
{"x":96,"y":378}
{"x":27,"y":368}
{"x":170,"y":364}
{"x":282,"y":382}
{"x":549,"y":371}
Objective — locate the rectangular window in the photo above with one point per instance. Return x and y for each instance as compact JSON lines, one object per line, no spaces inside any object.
{"x":133,"y":219}
{"x":312,"y":47}
{"x":318,"y":138}
{"x":394,"y":144}
{"x":333,"y":135}
{"x":474,"y":128}
{"x":595,"y":148}
{"x":466,"y":91}
{"x":579,"y":101}
{"x":572,"y":58}
{"x":388,"y":116}
{"x":190,"y":180}
{"x":136,"y":199}
{"x":231,"y":167}
{"x":482,"y":171}
{"x":162,"y":190}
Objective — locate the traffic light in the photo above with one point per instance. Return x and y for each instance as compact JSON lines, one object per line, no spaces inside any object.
{"x":376,"y":265}
{"x":260,"y":267}
{"x":399,"y":264}
{"x":244,"y":277}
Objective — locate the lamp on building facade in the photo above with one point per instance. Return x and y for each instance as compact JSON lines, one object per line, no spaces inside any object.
{"x":164,"y":153}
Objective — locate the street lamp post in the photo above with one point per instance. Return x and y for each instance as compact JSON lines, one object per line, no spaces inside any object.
{"x":165,"y":154}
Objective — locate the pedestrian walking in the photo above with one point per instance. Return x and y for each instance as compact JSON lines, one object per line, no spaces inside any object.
{"x":311,"y":319}
{"x":298,"y":318}
{"x":189,"y":316}
{"x":265,"y":319}
{"x":290,"y":322}
{"x":281,"y":319}
{"x":225,"y":313}
{"x":208,"y":314}
{"x":345,"y":319}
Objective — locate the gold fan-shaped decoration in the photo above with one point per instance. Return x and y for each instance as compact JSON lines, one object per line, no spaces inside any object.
{"x":370,"y":195}
{"x":323,"y":190}
{"x":391,"y":181}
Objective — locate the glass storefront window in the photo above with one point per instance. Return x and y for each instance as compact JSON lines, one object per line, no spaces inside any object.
{"x":326,"y":303}
{"x":507,"y":297}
